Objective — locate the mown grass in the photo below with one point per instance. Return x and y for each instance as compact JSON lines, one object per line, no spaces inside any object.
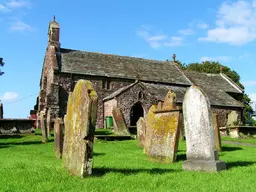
{"x":28,"y":165}
{"x":241,"y":140}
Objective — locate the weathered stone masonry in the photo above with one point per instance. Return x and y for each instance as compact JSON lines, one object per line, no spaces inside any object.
{"x":124,"y":80}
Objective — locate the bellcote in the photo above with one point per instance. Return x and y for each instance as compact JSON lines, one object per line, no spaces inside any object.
{"x":54,"y":33}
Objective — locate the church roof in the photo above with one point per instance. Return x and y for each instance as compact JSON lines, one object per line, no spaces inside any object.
{"x":98,"y":64}
{"x":209,"y":81}
{"x":217,"y":97}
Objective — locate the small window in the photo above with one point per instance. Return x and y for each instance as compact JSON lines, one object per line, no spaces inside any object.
{"x":140,"y":96}
{"x":106,"y":84}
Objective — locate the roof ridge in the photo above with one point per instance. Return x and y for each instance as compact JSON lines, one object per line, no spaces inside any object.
{"x":115,"y":55}
{"x":231,"y":82}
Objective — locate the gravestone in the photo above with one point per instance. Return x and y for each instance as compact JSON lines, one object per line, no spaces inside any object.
{"x":163,"y":130}
{"x":120,"y":127}
{"x":141,"y":131}
{"x":217,"y":138}
{"x":201,"y":151}
{"x":80,"y":124}
{"x":232,"y":118}
{"x":49,"y":122}
{"x":45,"y":138}
{"x":58,"y":137}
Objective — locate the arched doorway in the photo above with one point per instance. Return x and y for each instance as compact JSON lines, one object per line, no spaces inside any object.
{"x":136,"y":112}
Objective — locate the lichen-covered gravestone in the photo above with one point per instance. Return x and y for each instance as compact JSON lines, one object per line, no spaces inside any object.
{"x":216,"y":131}
{"x":201,"y":151}
{"x":162,"y":134}
{"x":141,"y":131}
{"x":58,"y":137}
{"x":43,"y":127}
{"x":80,"y":124}
{"x":232,"y":118}
{"x":120,"y":127}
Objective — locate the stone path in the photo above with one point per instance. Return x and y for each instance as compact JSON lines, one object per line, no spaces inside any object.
{"x":238,"y":143}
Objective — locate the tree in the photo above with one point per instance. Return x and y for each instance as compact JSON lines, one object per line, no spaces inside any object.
{"x":214,"y":67}
{"x":1,"y":64}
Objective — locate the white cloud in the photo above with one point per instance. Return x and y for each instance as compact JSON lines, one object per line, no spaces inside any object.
{"x":174,"y":42}
{"x":235,"y":23}
{"x":202,"y":25}
{"x":217,"y":58}
{"x":186,"y":32}
{"x":9,"y":96}
{"x":3,"y":8}
{"x":20,"y":26}
{"x":17,"y":4}
{"x":158,"y":39}
{"x":10,"y":5}
{"x":249,"y":83}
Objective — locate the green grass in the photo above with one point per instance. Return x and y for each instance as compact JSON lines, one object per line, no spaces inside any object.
{"x":28,"y":165}
{"x":241,"y":140}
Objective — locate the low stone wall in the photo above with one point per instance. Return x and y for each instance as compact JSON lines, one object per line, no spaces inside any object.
{"x":10,"y":126}
{"x":238,"y":131}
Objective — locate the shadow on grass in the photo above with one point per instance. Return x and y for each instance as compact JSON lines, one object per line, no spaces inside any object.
{"x":23,"y":143}
{"x":239,"y":164}
{"x":11,"y":136}
{"x":99,"y":154}
{"x":99,"y":172}
{"x":181,"y":157}
{"x":225,"y":148}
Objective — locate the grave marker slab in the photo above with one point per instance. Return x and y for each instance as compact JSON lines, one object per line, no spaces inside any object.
{"x":141,"y":131}
{"x":163,"y":130}
{"x":80,"y":124}
{"x":217,"y":138}
{"x":120,"y":127}
{"x":43,"y":127}
{"x":201,"y":152}
{"x":58,"y":137}
{"x":232,"y":118}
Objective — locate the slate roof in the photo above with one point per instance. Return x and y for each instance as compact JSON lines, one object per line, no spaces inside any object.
{"x":98,"y":64}
{"x":213,"y":81}
{"x":217,"y":97}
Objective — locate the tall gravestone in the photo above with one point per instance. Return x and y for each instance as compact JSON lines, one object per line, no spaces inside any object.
{"x":120,"y":127}
{"x":163,"y":132}
{"x":58,"y":137}
{"x":80,"y":124}
{"x":217,"y":138}
{"x":45,"y":138}
{"x":201,"y":151}
{"x":141,"y":131}
{"x":49,"y":122}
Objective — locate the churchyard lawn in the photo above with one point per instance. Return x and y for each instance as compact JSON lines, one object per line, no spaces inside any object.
{"x":28,"y":165}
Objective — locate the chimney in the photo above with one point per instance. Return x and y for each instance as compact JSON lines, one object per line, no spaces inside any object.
{"x":221,"y":69}
{"x":173,"y":57}
{"x":54,"y":33}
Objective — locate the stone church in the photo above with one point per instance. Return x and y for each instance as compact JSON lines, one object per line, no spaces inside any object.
{"x":132,"y":84}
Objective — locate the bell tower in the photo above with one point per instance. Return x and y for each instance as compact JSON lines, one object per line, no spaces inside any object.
{"x":54,"y":33}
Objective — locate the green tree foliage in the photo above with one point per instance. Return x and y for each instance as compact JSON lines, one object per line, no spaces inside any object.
{"x":1,"y":64}
{"x":214,"y":67}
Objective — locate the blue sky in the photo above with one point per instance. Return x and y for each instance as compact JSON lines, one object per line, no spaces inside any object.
{"x":193,"y":30}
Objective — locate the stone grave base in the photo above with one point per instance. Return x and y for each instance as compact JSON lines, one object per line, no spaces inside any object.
{"x":204,"y":165}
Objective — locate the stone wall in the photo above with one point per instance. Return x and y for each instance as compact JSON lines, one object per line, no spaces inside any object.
{"x":133,"y":95}
{"x":223,"y":114}
{"x":67,"y":83}
{"x":10,"y":126}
